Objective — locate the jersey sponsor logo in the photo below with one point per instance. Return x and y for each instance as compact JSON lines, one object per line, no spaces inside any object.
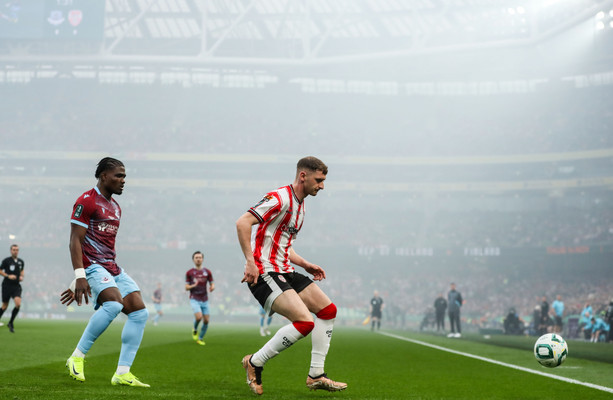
{"x":104,"y":227}
{"x":78,"y":211}
{"x":292,"y":230}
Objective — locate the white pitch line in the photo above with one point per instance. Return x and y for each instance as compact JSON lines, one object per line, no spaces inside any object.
{"x":532,"y":371}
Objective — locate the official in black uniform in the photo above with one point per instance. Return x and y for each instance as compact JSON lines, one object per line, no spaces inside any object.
{"x":376,"y":308}
{"x":12,"y":271}
{"x":440,"y":306}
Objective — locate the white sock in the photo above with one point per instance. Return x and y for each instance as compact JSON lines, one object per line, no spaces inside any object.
{"x":284,"y":338}
{"x":78,"y":353}
{"x":320,"y":339}
{"x":122,"y":369}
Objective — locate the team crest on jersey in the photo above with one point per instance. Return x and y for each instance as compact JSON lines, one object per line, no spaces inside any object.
{"x":282,"y":279}
{"x":78,"y":211}
{"x":264,"y":200}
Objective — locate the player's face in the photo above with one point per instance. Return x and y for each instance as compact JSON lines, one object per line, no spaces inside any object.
{"x":198,"y":258}
{"x":14,"y":251}
{"x":314,"y":182}
{"x":114,"y":180}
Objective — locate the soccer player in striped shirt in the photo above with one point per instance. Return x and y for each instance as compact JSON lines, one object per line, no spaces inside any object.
{"x":275,"y":284}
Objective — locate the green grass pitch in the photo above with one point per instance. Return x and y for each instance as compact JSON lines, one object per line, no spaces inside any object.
{"x":375,"y":366}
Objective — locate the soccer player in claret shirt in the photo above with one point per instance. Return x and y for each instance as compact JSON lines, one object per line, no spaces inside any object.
{"x":94,"y":223}
{"x":195,"y":282}
{"x":274,"y":283}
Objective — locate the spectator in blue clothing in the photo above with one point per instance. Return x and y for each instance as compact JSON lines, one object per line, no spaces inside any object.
{"x":600,"y":330}
{"x":585,"y":320}
{"x":558,"y":313}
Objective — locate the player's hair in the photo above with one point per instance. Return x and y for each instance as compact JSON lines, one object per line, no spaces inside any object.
{"x":107,"y":163}
{"x":196,"y":252}
{"x":14,"y":245}
{"x":312,"y":164}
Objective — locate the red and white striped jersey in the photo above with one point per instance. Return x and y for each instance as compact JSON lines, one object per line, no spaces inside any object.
{"x":281,"y":215}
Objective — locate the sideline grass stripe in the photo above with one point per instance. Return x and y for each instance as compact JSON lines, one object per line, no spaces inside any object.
{"x":532,"y":371}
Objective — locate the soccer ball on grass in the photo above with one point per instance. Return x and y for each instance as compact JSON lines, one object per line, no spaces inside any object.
{"x":550,"y":350}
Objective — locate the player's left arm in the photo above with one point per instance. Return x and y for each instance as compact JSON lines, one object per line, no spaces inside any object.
{"x":210,"y":280}
{"x":21,"y":275}
{"x":313,"y":269}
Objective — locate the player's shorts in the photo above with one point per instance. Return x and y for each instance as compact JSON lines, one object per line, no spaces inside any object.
{"x":157,"y":306}
{"x":100,"y":279}
{"x":10,"y":291}
{"x":376,"y":314}
{"x":557,"y":320}
{"x":200,"y":306}
{"x":271,"y":284}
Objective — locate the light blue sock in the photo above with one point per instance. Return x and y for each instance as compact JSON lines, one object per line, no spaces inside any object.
{"x":98,"y":324}
{"x":132,"y":335}
{"x":203,"y":330}
{"x":156,"y":318}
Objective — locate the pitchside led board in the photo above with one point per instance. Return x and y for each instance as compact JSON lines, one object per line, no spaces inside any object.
{"x":52,"y":19}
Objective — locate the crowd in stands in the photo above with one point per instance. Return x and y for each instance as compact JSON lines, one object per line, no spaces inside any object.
{"x":85,"y":116}
{"x":179,"y":219}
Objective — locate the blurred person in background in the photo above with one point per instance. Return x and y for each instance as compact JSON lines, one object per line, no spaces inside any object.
{"x":264,"y":322}
{"x":93,"y":228}
{"x":584,"y":318}
{"x":440,"y":306}
{"x":544,"y":319}
{"x":376,"y":311}
{"x":12,"y":269}
{"x":513,"y":323}
{"x":558,"y":314}
{"x":196,"y":280}
{"x":157,"y":299}
{"x":600,"y":330}
{"x":587,"y":327}
{"x":536,"y":321}
{"x":609,"y":319}
{"x":454,"y":303}
{"x":273,"y":281}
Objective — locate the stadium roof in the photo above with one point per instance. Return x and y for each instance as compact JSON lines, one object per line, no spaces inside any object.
{"x":302,"y":32}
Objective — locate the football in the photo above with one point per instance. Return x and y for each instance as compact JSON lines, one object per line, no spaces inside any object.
{"x":550,"y":350}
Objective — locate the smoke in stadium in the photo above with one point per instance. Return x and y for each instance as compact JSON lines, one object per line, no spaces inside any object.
{"x":467,"y":142}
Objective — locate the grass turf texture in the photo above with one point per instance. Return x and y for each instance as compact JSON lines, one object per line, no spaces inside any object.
{"x":373,"y":365}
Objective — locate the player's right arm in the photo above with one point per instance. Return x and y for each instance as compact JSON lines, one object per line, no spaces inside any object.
{"x":190,"y":281}
{"x":77,"y":236}
{"x":243,"y":230}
